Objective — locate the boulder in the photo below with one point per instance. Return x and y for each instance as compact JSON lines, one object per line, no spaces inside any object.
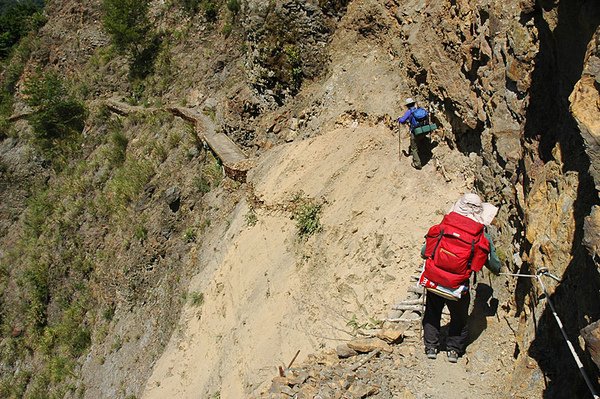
{"x":392,"y":336}
{"x":343,"y":351}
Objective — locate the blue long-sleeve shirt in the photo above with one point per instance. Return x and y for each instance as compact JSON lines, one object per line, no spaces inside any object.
{"x":405,"y":118}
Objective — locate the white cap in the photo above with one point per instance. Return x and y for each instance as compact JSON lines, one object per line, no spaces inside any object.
{"x":409,"y":101}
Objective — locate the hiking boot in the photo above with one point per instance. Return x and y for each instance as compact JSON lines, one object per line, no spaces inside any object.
{"x":452,"y":356}
{"x":414,"y":165}
{"x":431,"y":353}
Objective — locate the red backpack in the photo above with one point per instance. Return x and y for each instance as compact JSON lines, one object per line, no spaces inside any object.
{"x":455,"y":248}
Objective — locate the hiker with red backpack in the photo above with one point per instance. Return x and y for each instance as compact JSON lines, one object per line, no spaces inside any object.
{"x":453,"y":250}
{"x":417,"y":117}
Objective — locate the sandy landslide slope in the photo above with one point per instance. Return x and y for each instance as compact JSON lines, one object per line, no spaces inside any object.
{"x":267,"y":294}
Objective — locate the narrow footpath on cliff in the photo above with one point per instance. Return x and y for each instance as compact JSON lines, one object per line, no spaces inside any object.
{"x":269,"y":293}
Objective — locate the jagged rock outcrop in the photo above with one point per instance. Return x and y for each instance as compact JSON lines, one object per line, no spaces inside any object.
{"x":500,"y":73}
{"x":287,"y":43}
{"x":585,"y":107}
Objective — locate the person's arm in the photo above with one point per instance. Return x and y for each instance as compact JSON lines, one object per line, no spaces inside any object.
{"x":493,"y":262}
{"x":423,"y":251}
{"x":405,"y":117}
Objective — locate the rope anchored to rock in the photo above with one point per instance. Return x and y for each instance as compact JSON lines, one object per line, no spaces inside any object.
{"x":544,"y":272}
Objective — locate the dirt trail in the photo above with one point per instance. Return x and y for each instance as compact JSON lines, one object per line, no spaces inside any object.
{"x":268,"y":294}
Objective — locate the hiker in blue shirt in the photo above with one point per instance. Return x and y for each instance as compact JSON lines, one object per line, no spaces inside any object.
{"x":418,"y":143}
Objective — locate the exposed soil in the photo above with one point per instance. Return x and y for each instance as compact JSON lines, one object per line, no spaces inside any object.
{"x":268,"y":293}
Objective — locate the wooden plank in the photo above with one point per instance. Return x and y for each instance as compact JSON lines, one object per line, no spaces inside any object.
{"x":417,"y":301}
{"x":187,"y":114}
{"x":226,"y":149}
{"x":235,"y":163}
{"x":414,"y":308}
{"x":416,"y":290}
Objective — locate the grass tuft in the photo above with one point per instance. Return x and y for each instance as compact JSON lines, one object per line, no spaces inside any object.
{"x":307,"y":214}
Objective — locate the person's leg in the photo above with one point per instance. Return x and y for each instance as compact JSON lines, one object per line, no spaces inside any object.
{"x":414,"y":150}
{"x":458,"y":331}
{"x":424,"y":148}
{"x":431,"y":320}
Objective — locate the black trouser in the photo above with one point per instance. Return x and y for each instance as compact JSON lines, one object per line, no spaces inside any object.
{"x":418,"y":150}
{"x":457,"y":331}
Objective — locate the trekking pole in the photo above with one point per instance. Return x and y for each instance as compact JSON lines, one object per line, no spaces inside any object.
{"x":399,"y":144}
{"x":544,"y":272}
{"x":569,"y":344}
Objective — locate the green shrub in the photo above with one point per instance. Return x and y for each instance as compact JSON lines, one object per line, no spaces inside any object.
{"x":15,"y":65}
{"x":210,"y":10}
{"x":36,"y":277}
{"x":60,"y":368}
{"x":140,"y":233}
{"x":127,"y":183}
{"x":233,"y":6}
{"x":16,"y":21}
{"x":15,"y":386}
{"x":213,"y":171}
{"x":142,"y":63}
{"x":210,"y":176}
{"x":196,"y":298}
{"x":307,"y":215}
{"x":39,"y":208}
{"x":159,"y":151}
{"x":109,"y":312}
{"x":190,"y":235}
{"x":251,"y":218}
{"x":191,"y":6}
{"x":119,"y":147}
{"x":227,"y":29}
{"x":202,"y":184}
{"x":174,"y":139}
{"x":13,"y":69}
{"x":295,"y":66}
{"x":58,"y":117}
{"x":126,"y":21}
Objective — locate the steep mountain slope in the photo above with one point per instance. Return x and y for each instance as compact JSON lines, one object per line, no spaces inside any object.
{"x":269,"y":293}
{"x":96,"y":254}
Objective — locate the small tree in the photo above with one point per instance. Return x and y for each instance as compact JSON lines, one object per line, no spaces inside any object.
{"x":58,"y":116}
{"x":211,"y":10}
{"x":16,"y":20}
{"x":234,"y":6}
{"x":190,"y":6}
{"x":126,"y":21}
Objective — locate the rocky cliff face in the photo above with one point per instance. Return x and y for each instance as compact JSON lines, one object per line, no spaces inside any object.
{"x":514,"y":86}
{"x":504,"y":74}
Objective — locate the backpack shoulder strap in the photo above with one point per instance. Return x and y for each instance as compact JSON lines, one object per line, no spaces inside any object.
{"x":437,"y":244}
{"x":471,"y":255}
